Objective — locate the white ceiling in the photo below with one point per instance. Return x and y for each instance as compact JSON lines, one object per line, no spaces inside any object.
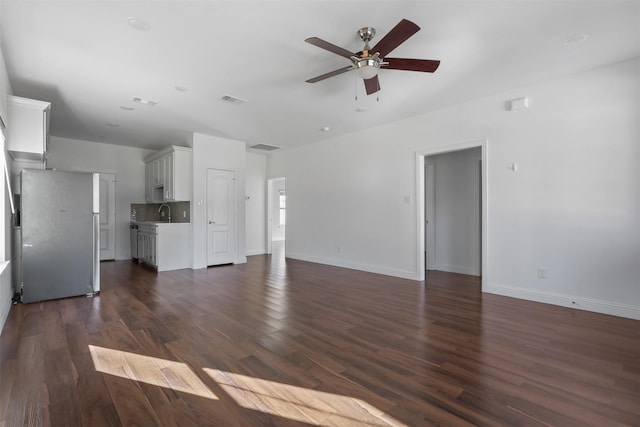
{"x":85,"y":59}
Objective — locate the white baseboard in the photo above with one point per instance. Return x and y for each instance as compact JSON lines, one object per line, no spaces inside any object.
{"x":597,"y":306}
{"x":403,"y":274}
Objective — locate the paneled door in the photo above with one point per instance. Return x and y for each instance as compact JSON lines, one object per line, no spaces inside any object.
{"x":221,"y":217}
{"x":107,"y":216}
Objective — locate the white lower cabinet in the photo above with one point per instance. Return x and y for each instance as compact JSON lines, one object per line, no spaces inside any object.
{"x":147,"y":250}
{"x":165,"y":246}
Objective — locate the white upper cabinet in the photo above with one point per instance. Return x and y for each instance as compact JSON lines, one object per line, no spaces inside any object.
{"x":27,"y":128}
{"x":168,"y":175}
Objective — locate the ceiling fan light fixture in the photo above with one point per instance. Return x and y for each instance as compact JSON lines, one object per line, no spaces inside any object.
{"x":367,"y":65}
{"x":367,"y":68}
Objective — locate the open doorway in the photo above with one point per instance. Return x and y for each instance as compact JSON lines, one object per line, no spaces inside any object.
{"x":452,"y":210}
{"x":452,"y":213}
{"x":277,"y":216}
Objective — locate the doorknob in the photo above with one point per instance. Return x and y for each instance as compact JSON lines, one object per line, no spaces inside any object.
{"x":211,"y":222}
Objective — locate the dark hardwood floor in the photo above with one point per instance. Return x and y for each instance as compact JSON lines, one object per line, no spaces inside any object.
{"x":295,"y":343}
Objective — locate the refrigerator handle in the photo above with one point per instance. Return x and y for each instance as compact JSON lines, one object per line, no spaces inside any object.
{"x":96,"y":234}
{"x":96,"y":193}
{"x":96,"y":254}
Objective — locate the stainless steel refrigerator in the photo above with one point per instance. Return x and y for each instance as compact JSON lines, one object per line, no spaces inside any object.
{"x":60,"y":229}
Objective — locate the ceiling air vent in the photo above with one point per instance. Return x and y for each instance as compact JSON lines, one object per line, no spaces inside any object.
{"x":264,"y":147}
{"x":144,"y":101}
{"x":233,"y":100}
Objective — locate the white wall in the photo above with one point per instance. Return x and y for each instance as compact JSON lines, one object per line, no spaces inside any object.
{"x":255,"y":204}
{"x":125,"y":162}
{"x":572,"y":207}
{"x":457,"y":209}
{"x":210,"y":152}
{"x":277,"y":230}
{"x":5,"y":86}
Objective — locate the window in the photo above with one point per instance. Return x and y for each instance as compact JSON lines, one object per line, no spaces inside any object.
{"x":283,"y":208}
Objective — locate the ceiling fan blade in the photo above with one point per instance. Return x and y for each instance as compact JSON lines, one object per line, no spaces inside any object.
{"x":395,"y":37}
{"x":330,"y":74}
{"x":372,"y":85}
{"x":329,"y":46}
{"x":424,"y":65}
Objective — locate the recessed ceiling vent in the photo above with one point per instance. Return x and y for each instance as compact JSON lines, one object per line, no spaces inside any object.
{"x":233,"y":100}
{"x":264,"y":147}
{"x":143,"y":101}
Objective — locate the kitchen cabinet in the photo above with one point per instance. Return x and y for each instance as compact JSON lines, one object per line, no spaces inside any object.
{"x":27,"y":128}
{"x":147,"y":249}
{"x":148,"y":182}
{"x":165,"y":246}
{"x":170,"y":178}
{"x":168,"y":175}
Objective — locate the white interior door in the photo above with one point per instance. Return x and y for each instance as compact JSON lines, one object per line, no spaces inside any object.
{"x":107,"y":216}
{"x":221,"y":217}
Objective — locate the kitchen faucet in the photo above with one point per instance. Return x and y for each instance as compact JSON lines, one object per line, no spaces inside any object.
{"x":168,"y":207}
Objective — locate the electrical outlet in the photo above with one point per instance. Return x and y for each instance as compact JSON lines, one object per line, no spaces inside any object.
{"x":542,"y":272}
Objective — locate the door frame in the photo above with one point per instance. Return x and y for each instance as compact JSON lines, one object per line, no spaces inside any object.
{"x":430,"y":246}
{"x":270,"y":183}
{"x":420,"y":204}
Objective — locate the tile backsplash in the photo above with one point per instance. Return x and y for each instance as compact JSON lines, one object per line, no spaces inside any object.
{"x":180,"y":212}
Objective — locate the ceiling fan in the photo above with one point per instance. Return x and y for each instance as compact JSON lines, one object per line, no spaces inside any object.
{"x":369,"y":60}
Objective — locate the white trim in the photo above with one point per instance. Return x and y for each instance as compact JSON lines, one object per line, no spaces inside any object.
{"x":269,"y":213}
{"x":420,"y":156}
{"x":477,"y":199}
{"x":403,"y":274}
{"x":430,"y":235}
{"x":598,"y":306}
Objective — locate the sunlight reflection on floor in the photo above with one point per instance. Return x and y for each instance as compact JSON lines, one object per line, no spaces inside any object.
{"x":282,"y":400}
{"x":298,"y":403}
{"x":151,"y":370}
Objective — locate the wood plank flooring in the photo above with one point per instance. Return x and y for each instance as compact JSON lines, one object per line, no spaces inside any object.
{"x":291,"y":343}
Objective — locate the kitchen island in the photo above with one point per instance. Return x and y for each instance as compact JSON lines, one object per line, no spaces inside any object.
{"x":163,"y":245}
